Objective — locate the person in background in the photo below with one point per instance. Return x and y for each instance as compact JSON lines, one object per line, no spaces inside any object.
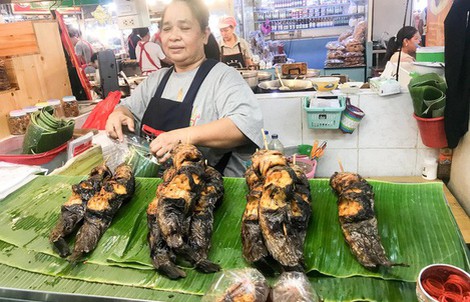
{"x":148,"y":54}
{"x":211,"y":49}
{"x":93,"y":65}
{"x":422,"y":25}
{"x":83,"y":49}
{"x":406,"y":41}
{"x":197,"y":101}
{"x":234,"y":51}
{"x":132,"y":41}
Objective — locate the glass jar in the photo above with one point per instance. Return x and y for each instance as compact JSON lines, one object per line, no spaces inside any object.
{"x":70,"y":106}
{"x":18,"y":121}
{"x":29,"y":111}
{"x":58,"y":110}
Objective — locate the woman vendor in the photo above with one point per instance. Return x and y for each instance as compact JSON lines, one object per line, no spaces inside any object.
{"x":407,"y":40}
{"x":198,"y":101}
{"x":234,"y":51}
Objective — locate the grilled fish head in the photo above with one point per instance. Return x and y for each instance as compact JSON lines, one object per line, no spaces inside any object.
{"x":185,"y":154}
{"x":341,"y":180}
{"x":263,"y":160}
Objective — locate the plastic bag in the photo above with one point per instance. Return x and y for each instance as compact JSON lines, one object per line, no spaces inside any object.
{"x":246,"y":284}
{"x":99,"y":115}
{"x":134,"y":151}
{"x":294,"y":287}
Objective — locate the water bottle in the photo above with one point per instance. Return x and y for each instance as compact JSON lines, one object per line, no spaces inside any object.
{"x":276,"y":144}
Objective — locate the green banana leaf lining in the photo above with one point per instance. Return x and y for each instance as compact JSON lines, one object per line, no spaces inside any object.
{"x":414,"y":221}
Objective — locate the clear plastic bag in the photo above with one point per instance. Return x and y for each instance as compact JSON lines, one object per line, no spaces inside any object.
{"x":246,"y":284}
{"x":134,"y":151}
{"x":294,"y":287}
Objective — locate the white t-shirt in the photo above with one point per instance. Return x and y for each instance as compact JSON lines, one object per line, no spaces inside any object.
{"x":155,"y":53}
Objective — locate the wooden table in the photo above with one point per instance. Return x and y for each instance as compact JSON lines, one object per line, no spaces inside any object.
{"x":461,"y":217}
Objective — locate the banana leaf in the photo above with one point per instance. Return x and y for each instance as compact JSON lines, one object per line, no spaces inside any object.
{"x":414,"y":220}
{"x":428,"y":94}
{"x":45,"y":132}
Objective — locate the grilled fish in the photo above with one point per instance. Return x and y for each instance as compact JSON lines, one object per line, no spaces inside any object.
{"x":277,"y":212}
{"x":358,"y":220}
{"x":180,"y":218}
{"x":202,"y":219}
{"x":101,"y":209}
{"x":73,"y":211}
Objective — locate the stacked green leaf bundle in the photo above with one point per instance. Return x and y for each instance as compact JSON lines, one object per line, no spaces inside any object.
{"x":428,"y":94}
{"x":415,"y":224}
{"x":45,"y":132}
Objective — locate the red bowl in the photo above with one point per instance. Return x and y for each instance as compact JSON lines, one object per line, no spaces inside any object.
{"x":437,"y":271}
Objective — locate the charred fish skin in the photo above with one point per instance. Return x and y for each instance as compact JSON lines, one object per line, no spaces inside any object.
{"x":274,"y":223}
{"x":101,"y":209}
{"x":358,"y":221}
{"x":73,"y":211}
{"x":162,"y":257}
{"x":254,"y":248}
{"x":176,"y":203}
{"x":202,"y":219}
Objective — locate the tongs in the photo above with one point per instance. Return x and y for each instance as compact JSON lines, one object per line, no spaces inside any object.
{"x":317,"y":151}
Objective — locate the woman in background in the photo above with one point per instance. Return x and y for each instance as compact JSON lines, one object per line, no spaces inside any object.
{"x":406,"y":41}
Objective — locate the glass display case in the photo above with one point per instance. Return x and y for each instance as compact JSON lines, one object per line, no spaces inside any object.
{"x":287,"y":15}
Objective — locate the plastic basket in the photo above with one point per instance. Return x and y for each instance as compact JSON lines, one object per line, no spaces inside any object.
{"x":324,"y":118}
{"x":351,"y":118}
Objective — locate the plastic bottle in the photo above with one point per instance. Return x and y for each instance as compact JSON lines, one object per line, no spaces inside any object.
{"x":276,"y":144}
{"x":444,"y":164}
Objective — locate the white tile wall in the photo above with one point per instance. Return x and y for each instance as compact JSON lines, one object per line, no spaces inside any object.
{"x":386,"y":143}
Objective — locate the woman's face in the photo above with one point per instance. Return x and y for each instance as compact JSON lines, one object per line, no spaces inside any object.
{"x":182,"y":38}
{"x":227,"y":33}
{"x":412,"y":44}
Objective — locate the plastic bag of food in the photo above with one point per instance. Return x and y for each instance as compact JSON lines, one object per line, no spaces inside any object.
{"x":334,"y":45}
{"x":246,"y":284}
{"x":134,"y":151}
{"x":294,"y":287}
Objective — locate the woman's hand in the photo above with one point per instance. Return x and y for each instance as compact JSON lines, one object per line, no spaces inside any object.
{"x":120,"y":116}
{"x":167,"y":141}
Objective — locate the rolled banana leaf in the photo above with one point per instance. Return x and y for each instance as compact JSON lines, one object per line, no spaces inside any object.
{"x":428,"y":101}
{"x":45,"y":132}
{"x":428,"y":94}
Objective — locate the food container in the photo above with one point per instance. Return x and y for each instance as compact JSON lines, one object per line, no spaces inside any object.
{"x":311,"y":73}
{"x":307,"y":165}
{"x":325,"y":83}
{"x":350,"y":87}
{"x":58,"y":110}
{"x":251,"y":77}
{"x":18,"y":121}
{"x":70,"y":106}
{"x":430,"y":54}
{"x":30,"y":110}
{"x":440,"y":278}
{"x":294,"y":85}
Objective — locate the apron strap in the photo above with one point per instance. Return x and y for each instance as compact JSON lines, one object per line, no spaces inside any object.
{"x":201,"y":74}
{"x":240,"y":50}
{"x":142,"y":49}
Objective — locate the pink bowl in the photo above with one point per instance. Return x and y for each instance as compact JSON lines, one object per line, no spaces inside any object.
{"x":309,"y":166}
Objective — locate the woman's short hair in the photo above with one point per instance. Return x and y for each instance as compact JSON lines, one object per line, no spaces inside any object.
{"x":199,"y":10}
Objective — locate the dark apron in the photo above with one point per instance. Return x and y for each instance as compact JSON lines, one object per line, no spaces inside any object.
{"x":166,"y":115}
{"x":236,"y":60}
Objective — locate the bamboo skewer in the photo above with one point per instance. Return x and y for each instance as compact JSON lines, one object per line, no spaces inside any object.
{"x":294,"y":158}
{"x":341,"y":168}
{"x":264,"y":139}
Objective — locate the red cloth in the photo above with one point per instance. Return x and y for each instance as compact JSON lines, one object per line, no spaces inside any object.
{"x":99,"y":115}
